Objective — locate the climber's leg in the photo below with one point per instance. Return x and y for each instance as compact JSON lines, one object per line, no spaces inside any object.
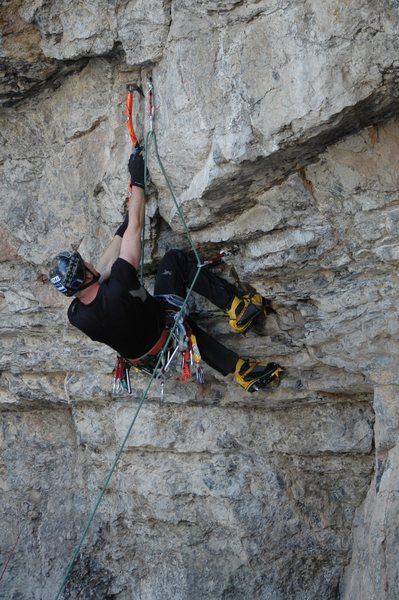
{"x":176,"y":273}
{"x":249,"y":374}
{"x":213,"y":352}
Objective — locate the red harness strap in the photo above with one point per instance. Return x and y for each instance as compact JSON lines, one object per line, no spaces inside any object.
{"x":156,"y":349}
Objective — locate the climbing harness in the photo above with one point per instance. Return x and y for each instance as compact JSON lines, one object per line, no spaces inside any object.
{"x":122,"y":372}
{"x":181,"y":353}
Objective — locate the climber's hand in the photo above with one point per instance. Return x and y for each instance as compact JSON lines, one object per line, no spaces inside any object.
{"x":136,"y":168}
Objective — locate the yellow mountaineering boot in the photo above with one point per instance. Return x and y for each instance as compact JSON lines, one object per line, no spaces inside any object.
{"x":253,"y":376}
{"x":243,"y":311}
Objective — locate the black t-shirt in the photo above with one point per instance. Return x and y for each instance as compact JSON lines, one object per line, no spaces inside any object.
{"x":123,"y":315}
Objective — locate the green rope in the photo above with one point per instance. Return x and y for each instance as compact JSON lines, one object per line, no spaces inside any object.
{"x":179,"y":211}
{"x":151,"y":137}
{"x":122,"y":446}
{"x":144,"y":396}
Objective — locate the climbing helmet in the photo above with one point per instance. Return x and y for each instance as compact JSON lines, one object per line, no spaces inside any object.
{"x":68,"y":272}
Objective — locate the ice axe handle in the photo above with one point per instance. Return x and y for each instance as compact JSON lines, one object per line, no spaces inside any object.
{"x":132,"y":87}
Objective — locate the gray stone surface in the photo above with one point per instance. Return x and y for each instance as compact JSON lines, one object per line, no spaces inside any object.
{"x":277,"y":125}
{"x":373,"y":572}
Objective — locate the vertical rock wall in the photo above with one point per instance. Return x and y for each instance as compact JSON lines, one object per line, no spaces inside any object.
{"x":277,"y":126}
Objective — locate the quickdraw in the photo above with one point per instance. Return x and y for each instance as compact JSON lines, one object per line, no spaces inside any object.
{"x":121,"y":382}
{"x":151,"y":110}
{"x":216,"y":259}
{"x":192,"y":358}
{"x":196,"y":357}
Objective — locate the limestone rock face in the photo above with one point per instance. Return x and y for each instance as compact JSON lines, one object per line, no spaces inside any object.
{"x":278,"y":127}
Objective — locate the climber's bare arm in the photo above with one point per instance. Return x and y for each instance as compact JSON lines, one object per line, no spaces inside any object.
{"x":104,"y":264}
{"x":131,"y":241}
{"x":127,"y":245}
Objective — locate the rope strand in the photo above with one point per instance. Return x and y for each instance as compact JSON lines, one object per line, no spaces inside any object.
{"x":145,"y":394}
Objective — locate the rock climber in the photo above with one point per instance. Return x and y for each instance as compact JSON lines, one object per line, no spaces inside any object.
{"x":112,"y":307}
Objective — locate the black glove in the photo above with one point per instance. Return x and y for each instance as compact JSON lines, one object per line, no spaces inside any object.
{"x":122,"y":228}
{"x":136,"y":168}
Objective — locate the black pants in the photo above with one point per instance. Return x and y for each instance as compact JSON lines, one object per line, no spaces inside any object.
{"x":175,"y":275}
